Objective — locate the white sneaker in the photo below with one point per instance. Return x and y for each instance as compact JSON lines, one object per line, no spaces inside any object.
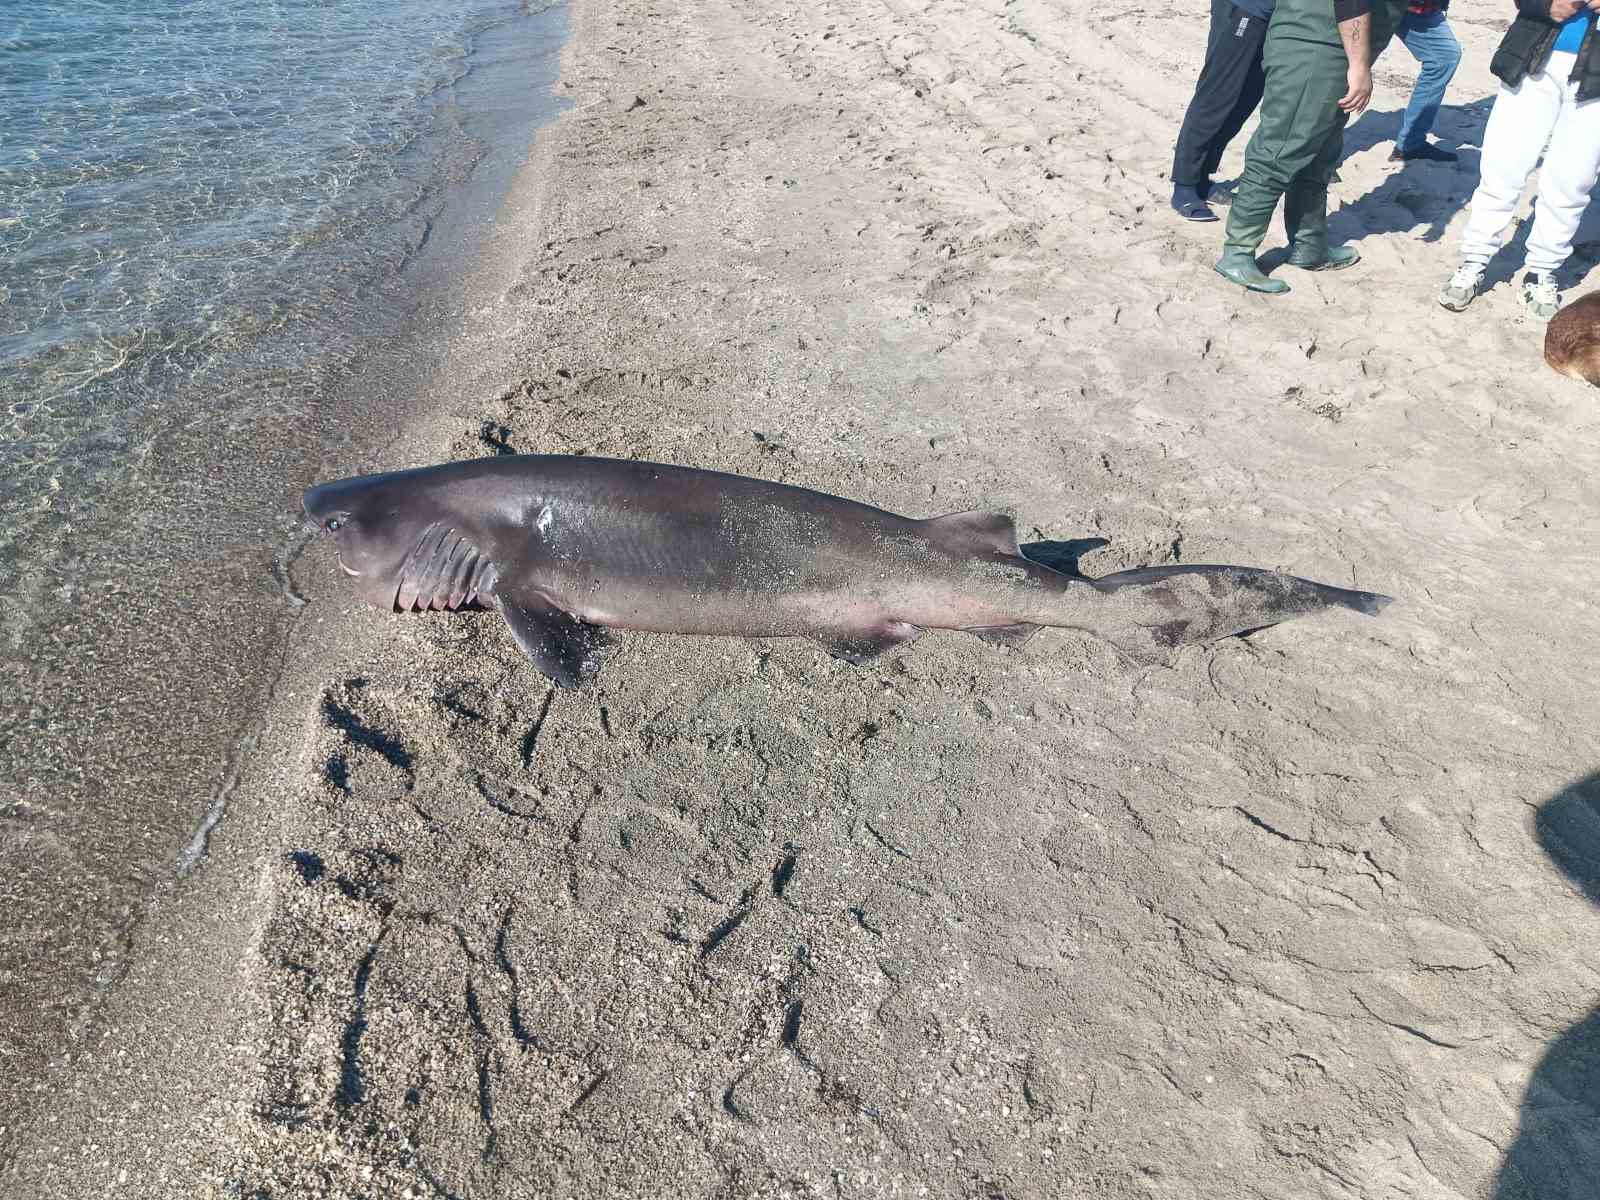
{"x":1540,"y":295}
{"x":1463,"y":286}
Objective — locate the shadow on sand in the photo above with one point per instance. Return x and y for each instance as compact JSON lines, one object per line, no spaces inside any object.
{"x":1414,"y":195}
{"x":1458,"y":127}
{"x":1557,"y":1152}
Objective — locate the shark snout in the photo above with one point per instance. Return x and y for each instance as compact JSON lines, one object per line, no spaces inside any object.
{"x":316,"y":498}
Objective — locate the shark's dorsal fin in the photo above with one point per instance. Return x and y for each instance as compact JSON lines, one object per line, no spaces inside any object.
{"x":987,"y":532}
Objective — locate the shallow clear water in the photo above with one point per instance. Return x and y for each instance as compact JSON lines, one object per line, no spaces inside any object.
{"x":180,"y":179}
{"x":234,"y":236}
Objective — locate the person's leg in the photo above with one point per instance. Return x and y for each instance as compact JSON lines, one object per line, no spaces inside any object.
{"x":1431,"y":42}
{"x":1233,"y":51}
{"x":1251,"y":39}
{"x":1571,"y":166}
{"x":1305,"y":205}
{"x":1521,"y":120}
{"x":1294,"y":121}
{"x":1261,"y":184}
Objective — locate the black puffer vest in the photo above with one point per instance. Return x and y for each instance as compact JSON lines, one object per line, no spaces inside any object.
{"x":1527,"y":44}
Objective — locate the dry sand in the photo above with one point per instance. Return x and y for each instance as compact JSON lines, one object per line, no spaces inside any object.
{"x":1312,"y":915}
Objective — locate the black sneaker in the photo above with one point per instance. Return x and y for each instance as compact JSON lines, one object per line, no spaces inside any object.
{"x":1427,"y":152}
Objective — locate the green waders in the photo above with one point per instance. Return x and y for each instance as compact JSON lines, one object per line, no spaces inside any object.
{"x":1295,"y":149}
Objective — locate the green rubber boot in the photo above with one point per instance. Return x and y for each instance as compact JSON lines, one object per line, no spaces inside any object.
{"x":1248,"y":218}
{"x":1305,"y":217}
{"x":1240,"y":267}
{"x":1323,"y":257}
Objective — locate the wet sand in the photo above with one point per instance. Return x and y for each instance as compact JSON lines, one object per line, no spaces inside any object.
{"x":1306,"y":915}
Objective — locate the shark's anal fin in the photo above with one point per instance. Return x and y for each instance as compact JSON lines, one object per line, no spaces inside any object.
{"x":566,"y":650}
{"x":1005,"y":635}
{"x":858,"y":649}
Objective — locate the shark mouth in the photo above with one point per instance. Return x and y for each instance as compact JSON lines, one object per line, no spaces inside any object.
{"x":442,"y":571}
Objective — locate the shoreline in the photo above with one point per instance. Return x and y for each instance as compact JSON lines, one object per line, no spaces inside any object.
{"x":741,"y":920}
{"x":164,"y":890}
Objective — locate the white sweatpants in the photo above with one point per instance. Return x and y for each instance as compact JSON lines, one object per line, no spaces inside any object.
{"x":1541,"y":107}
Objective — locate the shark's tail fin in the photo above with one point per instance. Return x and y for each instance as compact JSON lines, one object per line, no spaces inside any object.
{"x":1157,"y":609}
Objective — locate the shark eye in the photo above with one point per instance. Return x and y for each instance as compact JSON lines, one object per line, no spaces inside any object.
{"x":332,"y":524}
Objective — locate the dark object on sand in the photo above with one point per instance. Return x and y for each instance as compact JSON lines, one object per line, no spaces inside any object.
{"x":1558,"y":1136}
{"x":565,"y":547}
{"x":1572,"y":339}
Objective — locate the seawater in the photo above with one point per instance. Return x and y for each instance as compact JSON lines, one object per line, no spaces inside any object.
{"x":228,"y":234}
{"x":181,"y":180}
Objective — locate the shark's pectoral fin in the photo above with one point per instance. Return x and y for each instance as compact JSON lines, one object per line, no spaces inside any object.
{"x":1005,"y":635}
{"x":566,"y":650}
{"x":859,"y":648}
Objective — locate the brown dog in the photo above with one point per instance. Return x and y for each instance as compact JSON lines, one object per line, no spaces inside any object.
{"x":1572,"y":340}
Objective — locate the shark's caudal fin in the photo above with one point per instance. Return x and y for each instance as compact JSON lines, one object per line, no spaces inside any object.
{"x":1157,"y":609}
{"x":1288,"y":594}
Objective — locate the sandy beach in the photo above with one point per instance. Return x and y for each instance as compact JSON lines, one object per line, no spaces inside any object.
{"x":1308,"y":915}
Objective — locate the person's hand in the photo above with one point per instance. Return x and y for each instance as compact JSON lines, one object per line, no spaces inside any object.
{"x":1561,"y":10}
{"x":1358,"y":82}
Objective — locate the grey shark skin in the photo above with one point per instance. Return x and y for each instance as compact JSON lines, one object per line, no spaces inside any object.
{"x":566,"y":547}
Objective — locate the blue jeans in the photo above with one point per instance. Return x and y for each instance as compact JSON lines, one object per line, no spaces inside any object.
{"x":1433,"y":45}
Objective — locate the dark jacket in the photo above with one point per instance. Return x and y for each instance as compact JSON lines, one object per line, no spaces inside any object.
{"x":1526,"y":47}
